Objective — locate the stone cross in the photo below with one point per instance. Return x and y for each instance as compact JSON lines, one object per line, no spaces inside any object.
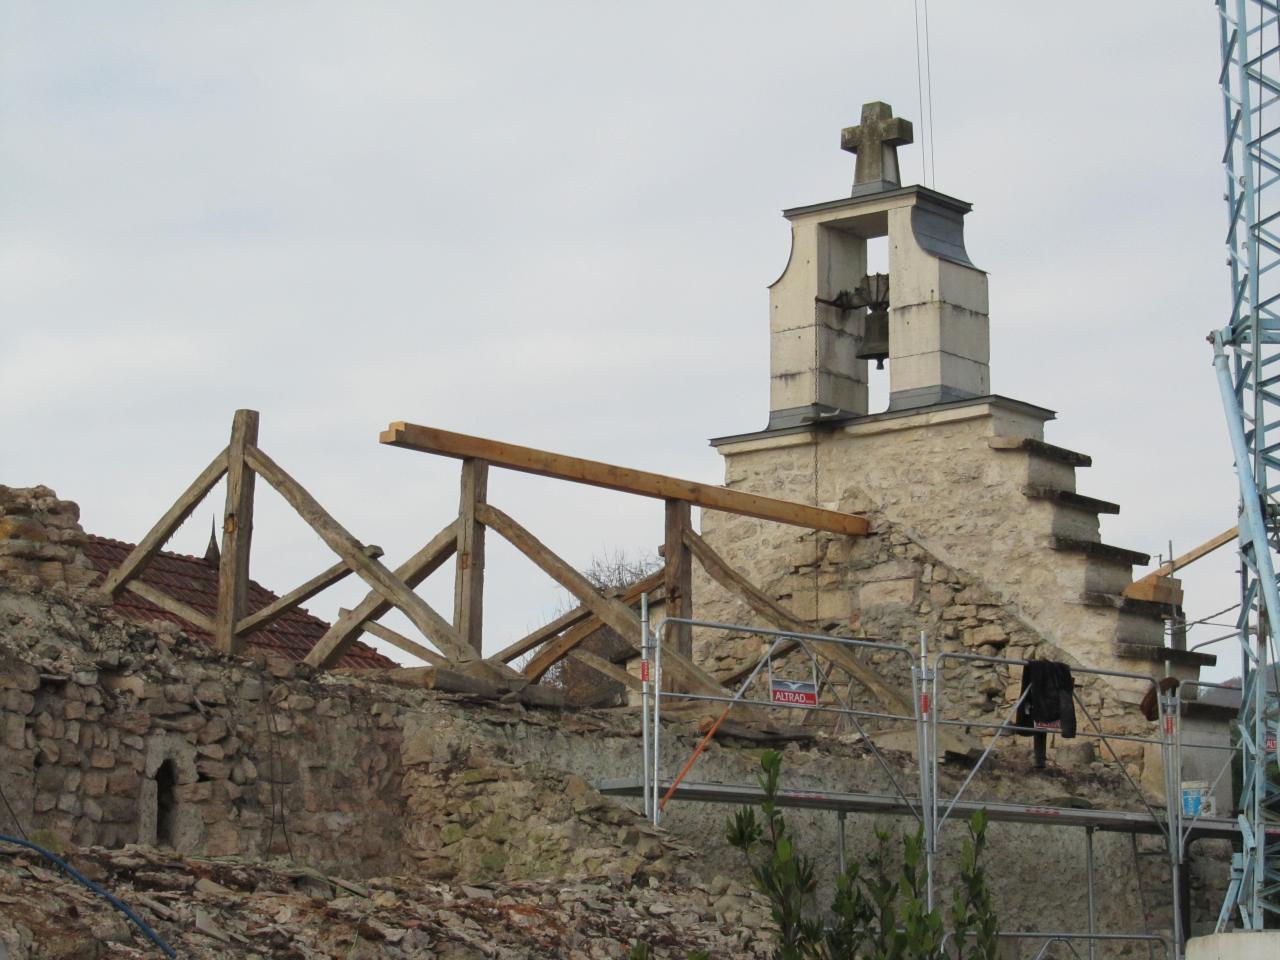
{"x":876,"y":141}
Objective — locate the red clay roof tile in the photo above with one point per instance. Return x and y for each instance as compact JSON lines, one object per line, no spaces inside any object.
{"x":194,"y":581}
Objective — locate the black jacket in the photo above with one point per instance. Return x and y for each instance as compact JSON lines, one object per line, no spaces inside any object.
{"x":1049,"y":707}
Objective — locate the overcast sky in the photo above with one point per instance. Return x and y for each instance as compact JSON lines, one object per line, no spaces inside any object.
{"x":554,"y":224}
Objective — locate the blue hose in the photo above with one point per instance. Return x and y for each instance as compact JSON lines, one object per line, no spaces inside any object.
{"x":75,"y":874}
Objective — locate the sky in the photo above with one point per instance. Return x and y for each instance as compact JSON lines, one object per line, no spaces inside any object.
{"x":554,"y":224}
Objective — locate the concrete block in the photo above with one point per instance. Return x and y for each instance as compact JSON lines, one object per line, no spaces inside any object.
{"x":793,"y":351}
{"x":939,"y":369}
{"x":930,"y":327}
{"x":1248,"y":945}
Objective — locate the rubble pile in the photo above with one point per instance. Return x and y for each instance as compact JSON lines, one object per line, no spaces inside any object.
{"x":227,"y":907}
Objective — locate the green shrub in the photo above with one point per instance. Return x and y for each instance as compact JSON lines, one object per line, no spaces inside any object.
{"x":878,"y":912}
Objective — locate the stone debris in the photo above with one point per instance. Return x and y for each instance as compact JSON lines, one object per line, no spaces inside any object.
{"x":242,"y":908}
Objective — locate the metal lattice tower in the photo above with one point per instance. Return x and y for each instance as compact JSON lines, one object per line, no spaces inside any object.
{"x":1247,"y":359}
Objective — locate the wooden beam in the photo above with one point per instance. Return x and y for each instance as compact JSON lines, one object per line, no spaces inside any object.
{"x":1191,"y":556}
{"x":561,"y":647}
{"x":330,"y":647}
{"x":617,"y":615}
{"x":544,"y":633}
{"x":394,"y":590}
{"x":574,"y":617}
{"x":1163,"y":590}
{"x":169,"y":604}
{"x":400,"y":641}
{"x":428,"y":678}
{"x":678,"y":574}
{"x":640,"y":482}
{"x":159,"y":535}
{"x":611,"y":612}
{"x":720,"y":571}
{"x":237,"y":535}
{"x":264,"y":617}
{"x":610,"y":670}
{"x":468,"y":581}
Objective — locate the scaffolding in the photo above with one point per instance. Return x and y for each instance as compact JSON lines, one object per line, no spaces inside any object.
{"x":1245,"y":355}
{"x":1177,"y":823}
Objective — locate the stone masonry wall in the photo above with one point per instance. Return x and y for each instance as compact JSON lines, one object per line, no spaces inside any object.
{"x":93,"y":708}
{"x":363,"y":779}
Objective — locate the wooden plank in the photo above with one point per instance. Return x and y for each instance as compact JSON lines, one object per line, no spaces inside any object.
{"x":330,"y":647}
{"x":237,"y":535}
{"x":171,"y":605}
{"x":433,"y":626}
{"x":617,"y":615}
{"x":641,"y":482}
{"x":610,"y":670}
{"x":734,"y":679}
{"x":159,"y":535}
{"x":611,"y":612}
{"x":549,"y":655}
{"x":400,"y":641}
{"x":561,"y":647}
{"x":1166,"y":590}
{"x":678,"y":574}
{"x":544,"y":633}
{"x":468,"y":581}
{"x":272,"y":612}
{"x":1191,"y":556}
{"x":428,"y":678}
{"x":720,"y":571}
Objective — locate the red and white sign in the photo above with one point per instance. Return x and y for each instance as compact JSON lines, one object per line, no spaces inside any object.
{"x":794,"y":693}
{"x":1052,"y":725}
{"x":644,"y":671}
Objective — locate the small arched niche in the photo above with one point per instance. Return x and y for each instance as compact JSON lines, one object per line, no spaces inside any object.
{"x":166,"y":781}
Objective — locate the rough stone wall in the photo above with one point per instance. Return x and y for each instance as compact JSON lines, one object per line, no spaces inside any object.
{"x":39,"y":539}
{"x":374,"y":779}
{"x":937,"y":479}
{"x":957,"y":550}
{"x":93,"y":707}
{"x":888,"y":587}
{"x":367,"y":779}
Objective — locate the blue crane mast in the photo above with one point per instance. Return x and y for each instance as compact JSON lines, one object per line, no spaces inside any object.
{"x":1247,"y":362}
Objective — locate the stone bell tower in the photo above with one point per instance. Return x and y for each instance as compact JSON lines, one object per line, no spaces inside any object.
{"x":828,"y":318}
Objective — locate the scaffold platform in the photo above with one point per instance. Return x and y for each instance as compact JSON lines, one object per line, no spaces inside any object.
{"x":1114,"y":821}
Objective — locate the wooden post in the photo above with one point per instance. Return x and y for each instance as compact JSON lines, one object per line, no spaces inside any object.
{"x":156,"y":537}
{"x":468,"y":583}
{"x":330,"y":648}
{"x":678,"y":576}
{"x":237,"y":535}
{"x":432,"y":626}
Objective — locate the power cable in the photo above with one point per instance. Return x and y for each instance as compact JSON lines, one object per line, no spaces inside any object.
{"x":928,"y":62}
{"x":13,"y":816}
{"x":924,"y":130}
{"x":76,"y":875}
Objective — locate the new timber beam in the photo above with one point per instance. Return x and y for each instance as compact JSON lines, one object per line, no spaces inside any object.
{"x":558,"y":466}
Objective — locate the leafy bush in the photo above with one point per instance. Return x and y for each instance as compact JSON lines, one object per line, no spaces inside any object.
{"x":878,"y":913}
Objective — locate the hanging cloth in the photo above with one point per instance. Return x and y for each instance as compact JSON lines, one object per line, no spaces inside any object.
{"x":1049,"y":704}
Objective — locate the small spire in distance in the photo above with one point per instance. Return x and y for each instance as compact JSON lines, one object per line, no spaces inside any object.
{"x":212,"y":555}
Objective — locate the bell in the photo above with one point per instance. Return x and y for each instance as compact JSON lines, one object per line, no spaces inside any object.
{"x":875,"y":339}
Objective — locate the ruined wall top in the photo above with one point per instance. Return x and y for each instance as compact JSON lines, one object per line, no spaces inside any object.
{"x":40,"y":538}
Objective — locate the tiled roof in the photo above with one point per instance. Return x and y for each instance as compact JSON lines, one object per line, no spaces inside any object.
{"x":194,"y":581}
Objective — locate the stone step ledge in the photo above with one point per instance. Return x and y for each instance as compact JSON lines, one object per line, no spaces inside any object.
{"x":1158,"y":654}
{"x":1069,"y":498}
{"x":1118,"y":601}
{"x":1101,"y":551}
{"x":1038,"y":448}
